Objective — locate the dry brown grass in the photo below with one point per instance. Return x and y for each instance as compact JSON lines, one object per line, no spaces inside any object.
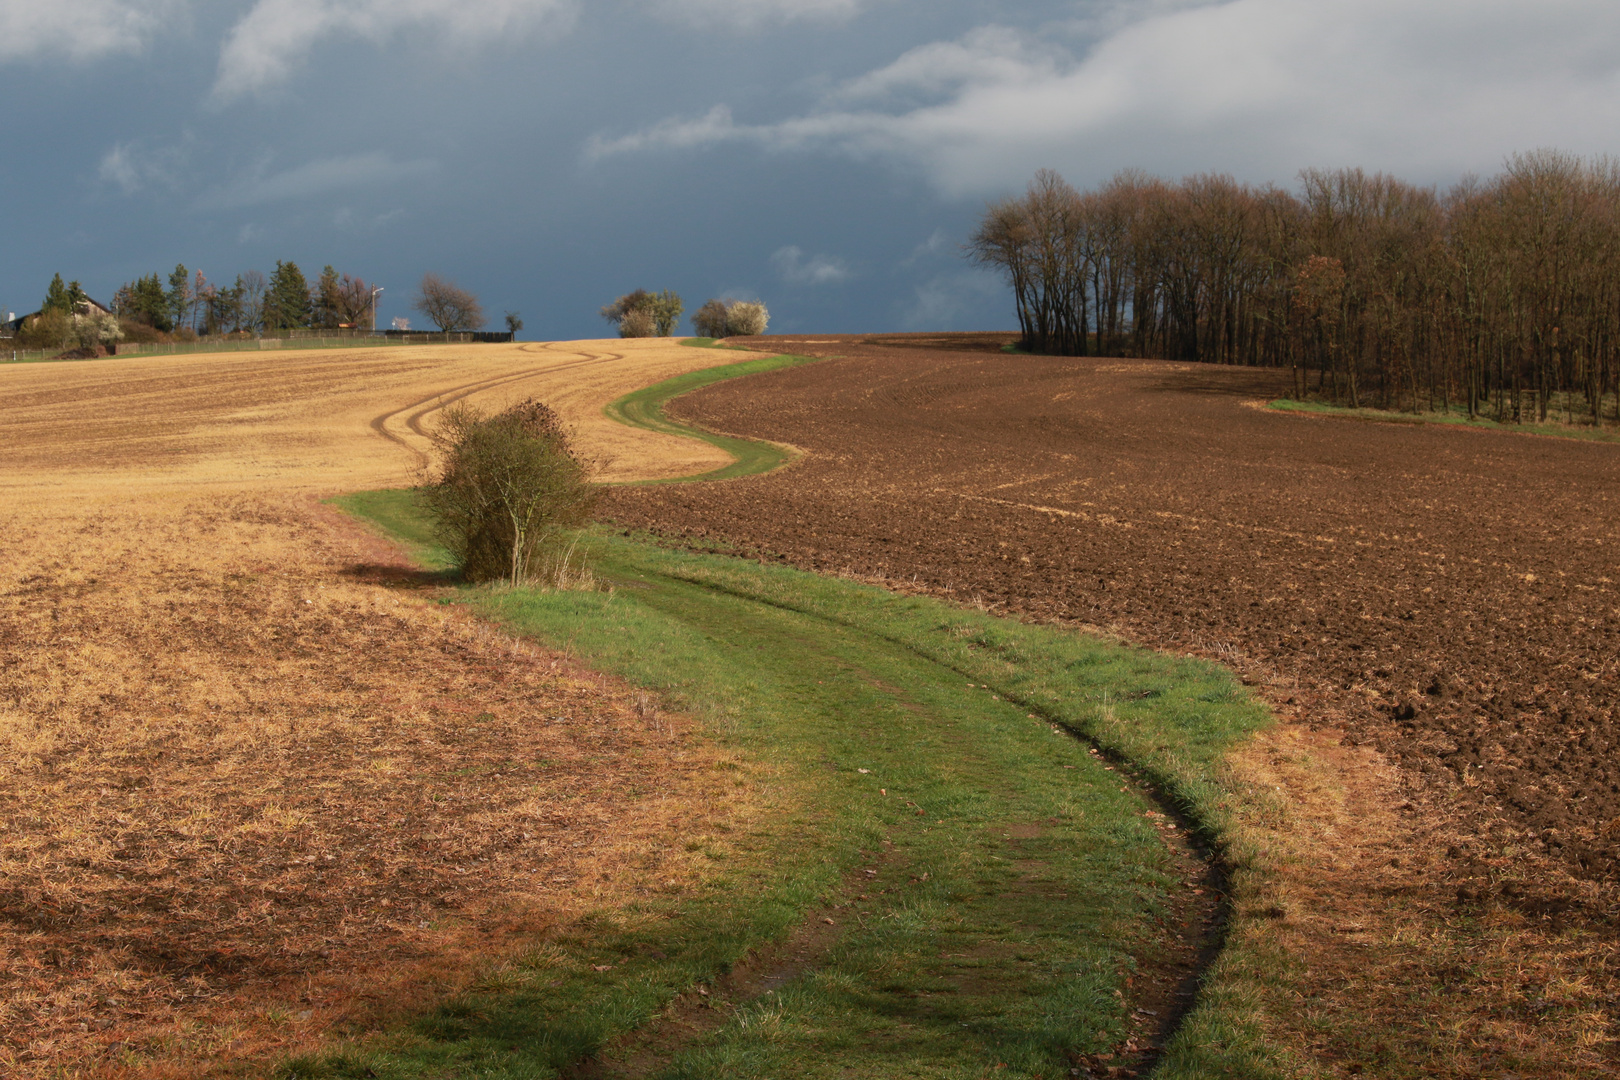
{"x":1393,"y":970}
{"x":256,"y":781}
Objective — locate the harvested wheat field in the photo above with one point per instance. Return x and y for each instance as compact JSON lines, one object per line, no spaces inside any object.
{"x":258,"y":785}
{"x":1434,"y":614}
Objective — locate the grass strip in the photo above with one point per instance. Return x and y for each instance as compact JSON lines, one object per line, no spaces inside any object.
{"x":1457,"y":417}
{"x":644,"y":408}
{"x":713,"y":343}
{"x":1016,"y":881}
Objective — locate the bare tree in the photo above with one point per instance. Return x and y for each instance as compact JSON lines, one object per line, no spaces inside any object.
{"x":352,"y":300}
{"x":1501,"y":298}
{"x":253,"y":288}
{"x":447,"y":306}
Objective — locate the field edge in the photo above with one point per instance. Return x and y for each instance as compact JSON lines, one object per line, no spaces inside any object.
{"x":1442,"y":419}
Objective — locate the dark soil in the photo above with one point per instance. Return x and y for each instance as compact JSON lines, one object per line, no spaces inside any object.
{"x":1447,"y":595}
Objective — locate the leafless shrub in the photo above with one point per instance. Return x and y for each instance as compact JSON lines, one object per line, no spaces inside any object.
{"x":638,"y":323}
{"x":97,"y":328}
{"x":730,"y":317}
{"x":47,"y":330}
{"x":710,"y":320}
{"x":645,"y":314}
{"x":510,"y":496}
{"x":745,"y":318}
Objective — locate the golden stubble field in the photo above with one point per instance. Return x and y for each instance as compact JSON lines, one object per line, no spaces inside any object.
{"x":256,"y":783}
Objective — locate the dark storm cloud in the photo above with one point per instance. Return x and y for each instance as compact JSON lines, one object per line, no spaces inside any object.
{"x":829,"y":156}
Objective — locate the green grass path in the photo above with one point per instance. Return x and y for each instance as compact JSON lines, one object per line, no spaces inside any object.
{"x":1018,"y":879}
{"x":644,"y":408}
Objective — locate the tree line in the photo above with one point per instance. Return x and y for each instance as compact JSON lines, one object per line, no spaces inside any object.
{"x":1498,"y":297}
{"x":188,"y":305}
{"x":251,"y":304}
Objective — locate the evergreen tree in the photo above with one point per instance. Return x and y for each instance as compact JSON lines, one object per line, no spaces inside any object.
{"x":225,"y":307}
{"x":180,"y":295}
{"x":328,"y":300}
{"x":76,"y":296}
{"x":56,"y":298}
{"x":152,"y":303}
{"x":286,"y":301}
{"x":144,"y":301}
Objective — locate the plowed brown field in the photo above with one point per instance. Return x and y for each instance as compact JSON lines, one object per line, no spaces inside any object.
{"x":1447,"y":596}
{"x":255,"y":782}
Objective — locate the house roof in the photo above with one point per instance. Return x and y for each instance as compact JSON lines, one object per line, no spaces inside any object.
{"x":17,"y":324}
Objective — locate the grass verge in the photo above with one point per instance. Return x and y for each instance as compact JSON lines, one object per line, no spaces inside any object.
{"x":1455,"y":417}
{"x":991,"y":886}
{"x":645,"y":409}
{"x":713,"y":343}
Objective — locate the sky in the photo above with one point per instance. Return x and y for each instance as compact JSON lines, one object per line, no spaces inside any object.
{"x":830,"y":157}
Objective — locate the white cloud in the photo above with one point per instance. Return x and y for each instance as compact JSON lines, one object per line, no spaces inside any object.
{"x":793,"y":268}
{"x":321,"y":177}
{"x":132,"y":166}
{"x":1261,"y":88}
{"x":265,"y":47}
{"x":990,"y":54}
{"x":80,"y":29}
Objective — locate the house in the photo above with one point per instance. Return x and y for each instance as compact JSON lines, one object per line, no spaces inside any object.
{"x":87,"y":306}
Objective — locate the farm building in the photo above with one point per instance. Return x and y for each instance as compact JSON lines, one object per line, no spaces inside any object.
{"x":85,"y":306}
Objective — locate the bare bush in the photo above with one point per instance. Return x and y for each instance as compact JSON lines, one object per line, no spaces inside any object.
{"x":447,"y":306}
{"x":639,"y":322}
{"x":654,"y":314}
{"x":97,"y":328}
{"x":710,"y":320}
{"x":47,"y":330}
{"x":745,"y":318}
{"x":510,"y":495}
{"x":624,"y":305}
{"x":729,"y":317}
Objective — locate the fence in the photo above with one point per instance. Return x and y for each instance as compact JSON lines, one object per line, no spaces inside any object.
{"x":293,"y":339}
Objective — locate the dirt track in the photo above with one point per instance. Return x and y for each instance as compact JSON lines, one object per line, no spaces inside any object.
{"x":1449,"y":595}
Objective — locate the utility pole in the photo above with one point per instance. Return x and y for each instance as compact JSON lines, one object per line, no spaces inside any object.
{"x":375,"y":290}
